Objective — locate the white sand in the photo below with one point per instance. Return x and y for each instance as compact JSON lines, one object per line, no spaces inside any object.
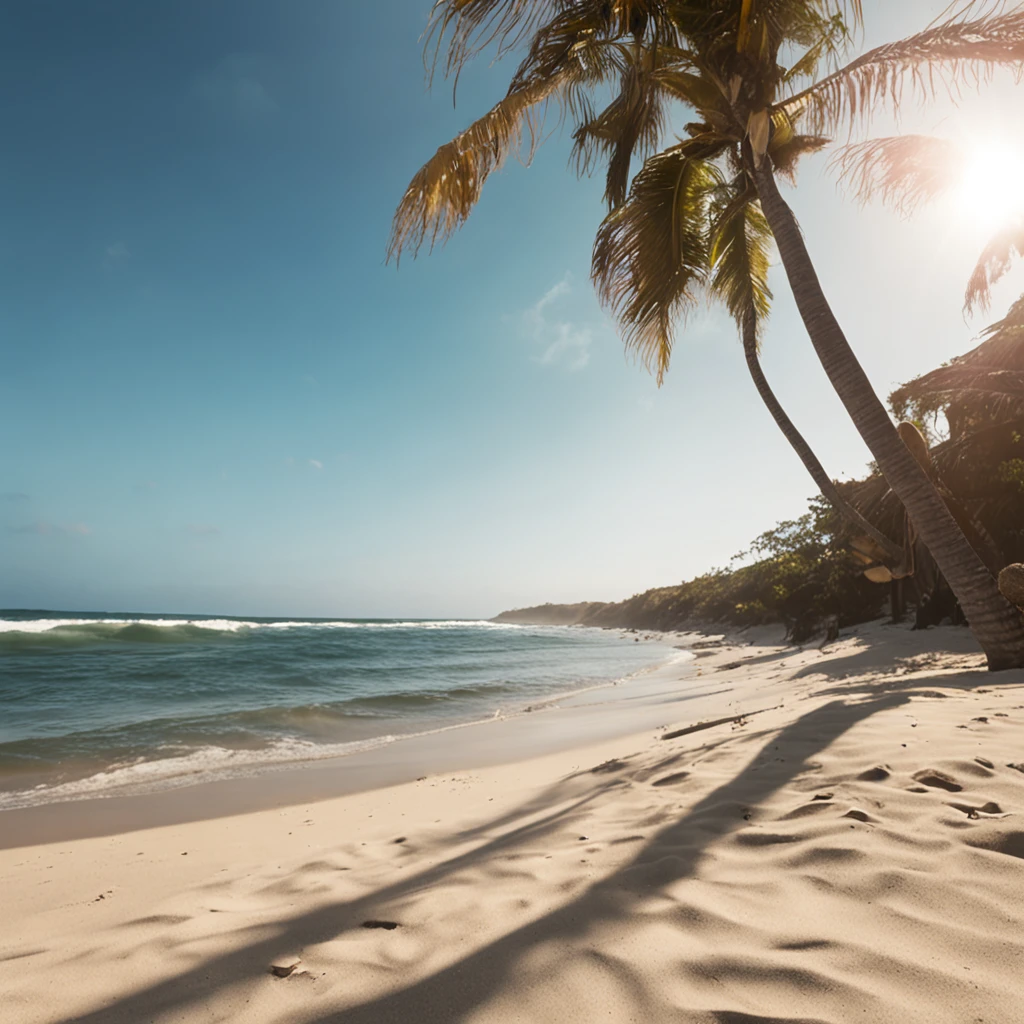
{"x":856,"y":854}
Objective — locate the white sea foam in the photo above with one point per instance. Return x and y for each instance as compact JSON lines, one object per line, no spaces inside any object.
{"x":210,"y":763}
{"x":200,"y":765}
{"x":234,"y":625}
{"x":204,"y":764}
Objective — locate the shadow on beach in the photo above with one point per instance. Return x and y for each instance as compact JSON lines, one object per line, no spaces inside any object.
{"x":455,"y":991}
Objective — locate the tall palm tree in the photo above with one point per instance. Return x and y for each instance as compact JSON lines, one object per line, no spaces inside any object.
{"x":874,"y":76}
{"x":723,"y":60}
{"x":583,"y":47}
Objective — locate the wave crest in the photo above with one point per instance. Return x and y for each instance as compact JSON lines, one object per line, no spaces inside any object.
{"x":33,"y":633}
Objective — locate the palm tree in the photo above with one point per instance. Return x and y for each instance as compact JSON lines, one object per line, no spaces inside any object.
{"x":722,"y":60}
{"x":724,"y":249}
{"x":580,"y":50}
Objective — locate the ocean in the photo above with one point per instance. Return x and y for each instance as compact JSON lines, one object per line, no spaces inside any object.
{"x":98,"y":704}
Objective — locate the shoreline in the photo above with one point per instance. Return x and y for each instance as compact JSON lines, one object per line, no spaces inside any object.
{"x":386,"y":761}
{"x":854,"y":850}
{"x":177,"y":746}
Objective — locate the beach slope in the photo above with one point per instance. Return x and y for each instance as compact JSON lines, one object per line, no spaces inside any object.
{"x":848,"y":845}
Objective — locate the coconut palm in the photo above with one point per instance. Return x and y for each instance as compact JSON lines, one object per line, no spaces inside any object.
{"x":583,"y":48}
{"x":720,"y":243}
{"x":722,"y":59}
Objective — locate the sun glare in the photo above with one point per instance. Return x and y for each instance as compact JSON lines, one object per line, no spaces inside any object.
{"x":992,"y":190}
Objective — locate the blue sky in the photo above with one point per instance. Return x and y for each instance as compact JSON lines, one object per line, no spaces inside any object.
{"x":216,"y":397}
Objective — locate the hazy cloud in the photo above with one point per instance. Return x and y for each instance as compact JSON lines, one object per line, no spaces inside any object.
{"x":235,"y":86}
{"x":316,"y":463}
{"x":145,"y":487}
{"x":14,"y":497}
{"x":42,"y":528}
{"x":202,"y":530}
{"x":560,"y":342}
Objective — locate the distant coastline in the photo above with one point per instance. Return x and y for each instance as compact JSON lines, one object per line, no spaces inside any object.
{"x":657,"y":609}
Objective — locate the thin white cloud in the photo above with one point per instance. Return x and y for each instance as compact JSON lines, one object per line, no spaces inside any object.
{"x":316,"y":463}
{"x":562,"y":288}
{"x":560,"y":342}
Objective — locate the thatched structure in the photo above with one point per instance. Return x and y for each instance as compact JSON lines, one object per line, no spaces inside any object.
{"x":979,"y":467}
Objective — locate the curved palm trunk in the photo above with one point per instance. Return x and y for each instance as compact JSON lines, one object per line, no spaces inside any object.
{"x":996,"y":624}
{"x":803,"y":449}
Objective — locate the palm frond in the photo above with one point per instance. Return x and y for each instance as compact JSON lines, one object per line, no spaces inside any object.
{"x":462,"y":28}
{"x":651,"y":255}
{"x":993,"y":263}
{"x":631,"y":125}
{"x":740,"y":255}
{"x":944,"y":56}
{"x":446,"y":188}
{"x":577,"y":37}
{"x":905,"y":170}
{"x":786,"y":154}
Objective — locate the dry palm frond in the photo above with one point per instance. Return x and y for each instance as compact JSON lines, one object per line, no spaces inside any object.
{"x":444,"y":191}
{"x":993,"y":263}
{"x":460,"y":29}
{"x":981,"y":385}
{"x":739,"y":255}
{"x":576,"y":37}
{"x":786,"y":154}
{"x":695,"y":90}
{"x":464,"y":27}
{"x":943,"y":56}
{"x":650,"y":255}
{"x":905,"y":170}
{"x":957,"y":379}
{"x":631,"y":125}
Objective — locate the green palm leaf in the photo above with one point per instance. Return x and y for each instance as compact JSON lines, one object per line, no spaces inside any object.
{"x":651,"y":254}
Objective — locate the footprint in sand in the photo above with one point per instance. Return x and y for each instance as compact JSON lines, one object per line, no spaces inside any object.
{"x":938,"y":780}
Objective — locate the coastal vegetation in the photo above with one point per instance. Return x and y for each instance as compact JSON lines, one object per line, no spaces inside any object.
{"x":801,"y":575}
{"x":699,"y":215}
{"x":805,"y":572}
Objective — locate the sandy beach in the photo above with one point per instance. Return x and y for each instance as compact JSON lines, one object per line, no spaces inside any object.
{"x":849,"y":848}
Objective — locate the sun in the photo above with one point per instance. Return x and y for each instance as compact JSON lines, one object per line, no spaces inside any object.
{"x":991,"y":191}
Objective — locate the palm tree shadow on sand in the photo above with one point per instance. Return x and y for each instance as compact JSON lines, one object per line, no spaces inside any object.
{"x":455,"y":991}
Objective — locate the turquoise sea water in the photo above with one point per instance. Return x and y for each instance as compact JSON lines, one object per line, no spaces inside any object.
{"x":97,"y":704}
